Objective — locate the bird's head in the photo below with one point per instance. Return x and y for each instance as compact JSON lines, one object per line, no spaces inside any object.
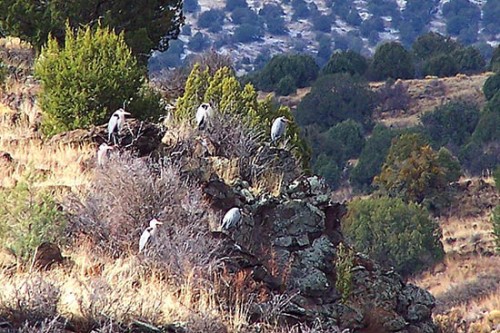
{"x":154,"y":222}
{"x":121,"y":111}
{"x":205,"y":105}
{"x":286,"y":120}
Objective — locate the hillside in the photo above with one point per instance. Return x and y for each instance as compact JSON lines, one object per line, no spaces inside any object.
{"x":315,"y":26}
{"x":281,"y":271}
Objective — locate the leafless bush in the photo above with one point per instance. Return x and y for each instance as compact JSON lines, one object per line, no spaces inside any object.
{"x":30,"y":301}
{"x":394,"y":96}
{"x":212,"y":60}
{"x":48,"y":325}
{"x":173,"y":81}
{"x":127,"y":194}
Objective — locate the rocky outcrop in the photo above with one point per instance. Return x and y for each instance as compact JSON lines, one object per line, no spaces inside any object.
{"x":291,"y":244}
{"x":141,"y":137}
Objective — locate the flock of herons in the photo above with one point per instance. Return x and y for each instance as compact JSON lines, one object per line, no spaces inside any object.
{"x":203,"y":115}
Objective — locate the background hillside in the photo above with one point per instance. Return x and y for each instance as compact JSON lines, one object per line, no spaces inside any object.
{"x":251,"y":32}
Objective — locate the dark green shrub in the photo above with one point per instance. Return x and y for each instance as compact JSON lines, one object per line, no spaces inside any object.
{"x":335,"y":98}
{"x":491,"y":13}
{"x":347,"y":136}
{"x":469,"y":60}
{"x":442,"y":65}
{"x":346,"y":62}
{"x":452,"y":169}
{"x":394,"y":233}
{"x":371,"y":158}
{"x":495,"y":59}
{"x":328,"y":168}
{"x":491,"y":86}
{"x":212,"y":19}
{"x":29,"y":218}
{"x":496,"y":176}
{"x":392,"y":60}
{"x":452,"y":123}
{"x":302,"y":68}
{"x":247,"y":33}
{"x":286,"y":86}
{"x":88,"y":79}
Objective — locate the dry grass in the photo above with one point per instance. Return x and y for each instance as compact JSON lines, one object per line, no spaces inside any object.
{"x":466,"y":284}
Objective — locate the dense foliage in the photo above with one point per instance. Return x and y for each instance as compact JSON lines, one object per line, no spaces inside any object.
{"x":147,"y":25}
{"x":88,"y":79}
{"x":391,"y":60}
{"x":346,"y":62}
{"x":394,"y":233}
{"x":301,"y":68}
{"x":371,"y":157}
{"x":412,"y":171}
{"x":451,"y":124}
{"x":335,"y":98}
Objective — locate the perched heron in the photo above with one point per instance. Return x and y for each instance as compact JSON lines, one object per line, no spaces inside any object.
{"x":232,"y":218}
{"x":116,"y":123}
{"x":203,"y":115}
{"x":102,"y":154}
{"x":278,"y":129}
{"x":148,"y":233}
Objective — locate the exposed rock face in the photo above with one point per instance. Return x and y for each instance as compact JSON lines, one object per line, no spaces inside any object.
{"x":141,"y":137}
{"x":291,"y":243}
{"x":46,"y":255}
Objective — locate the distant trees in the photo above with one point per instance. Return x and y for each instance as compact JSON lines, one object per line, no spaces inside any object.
{"x":212,"y":19}
{"x":273,"y":17}
{"x":416,"y":15}
{"x":191,"y":6}
{"x":88,"y":79}
{"x":462,"y":19}
{"x":301,"y":68}
{"x":491,"y":13}
{"x":495,"y":60}
{"x":391,"y":60}
{"x":394,"y":233}
{"x":233,"y":4}
{"x":346,"y":62}
{"x":442,"y":56}
{"x":491,"y":86}
{"x":198,"y":42}
{"x":247,"y":32}
{"x":147,"y":25}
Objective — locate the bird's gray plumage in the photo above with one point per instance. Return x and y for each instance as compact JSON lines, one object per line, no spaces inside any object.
{"x":231,"y":218}
{"x":149,"y":233}
{"x":203,"y":115}
{"x":116,"y":122}
{"x":278,"y":128}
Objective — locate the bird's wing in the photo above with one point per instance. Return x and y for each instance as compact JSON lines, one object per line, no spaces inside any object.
{"x":112,"y":124}
{"x":275,"y":129}
{"x":144,"y":239}
{"x":200,"y":116}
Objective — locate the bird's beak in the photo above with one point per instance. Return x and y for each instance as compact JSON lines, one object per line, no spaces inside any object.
{"x":127,"y":113}
{"x":158,"y":222}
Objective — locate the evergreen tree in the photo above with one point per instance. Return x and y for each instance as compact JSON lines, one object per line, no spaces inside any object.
{"x":392,"y":60}
{"x":147,"y":25}
{"x":88,"y":79}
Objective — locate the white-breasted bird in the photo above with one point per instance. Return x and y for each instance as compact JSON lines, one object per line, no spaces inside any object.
{"x":203,"y":115}
{"x":116,"y":122}
{"x":102,"y":153}
{"x":149,"y":233}
{"x":278,"y":128}
{"x":231,"y":218}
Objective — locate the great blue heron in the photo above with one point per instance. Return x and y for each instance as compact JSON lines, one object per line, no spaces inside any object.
{"x":203,"y":115}
{"x":102,"y":153}
{"x":231,"y":218}
{"x":148,"y":233}
{"x":116,"y":123}
{"x":278,"y":128}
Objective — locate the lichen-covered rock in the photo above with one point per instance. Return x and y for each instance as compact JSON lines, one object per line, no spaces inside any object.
{"x":294,"y":237}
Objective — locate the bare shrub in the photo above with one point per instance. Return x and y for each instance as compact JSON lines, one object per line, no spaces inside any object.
{"x":29,"y":301}
{"x":48,"y":325}
{"x":172,"y":82}
{"x":126,"y":195}
{"x":394,"y":96}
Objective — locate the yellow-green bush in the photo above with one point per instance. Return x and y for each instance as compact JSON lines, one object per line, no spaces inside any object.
{"x":88,"y":78}
{"x":29,"y":218}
